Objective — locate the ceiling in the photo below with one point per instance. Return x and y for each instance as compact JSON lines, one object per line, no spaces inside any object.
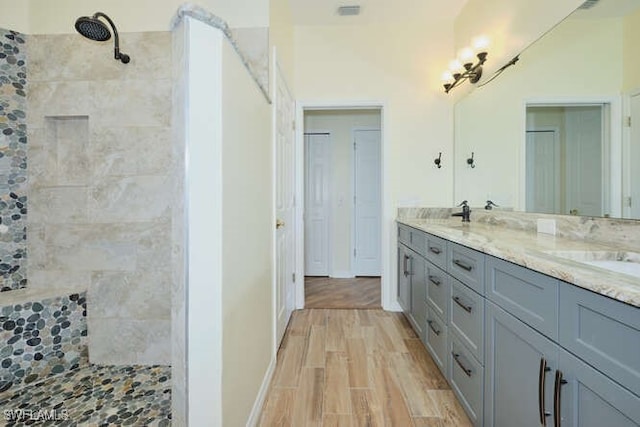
{"x":324,"y":12}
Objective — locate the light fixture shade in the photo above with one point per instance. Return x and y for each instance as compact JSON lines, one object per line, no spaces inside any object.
{"x":466,"y":55}
{"x":455,"y":66}
{"x":480,"y":43}
{"x":447,"y":76}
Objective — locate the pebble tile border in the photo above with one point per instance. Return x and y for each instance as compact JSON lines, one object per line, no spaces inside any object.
{"x":43,"y":338}
{"x":93,"y":396}
{"x":13,"y":160}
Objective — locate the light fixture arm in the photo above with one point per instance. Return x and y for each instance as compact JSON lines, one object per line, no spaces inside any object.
{"x":472,"y":72}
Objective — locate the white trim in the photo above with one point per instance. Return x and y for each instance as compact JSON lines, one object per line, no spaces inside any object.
{"x":615,"y":143}
{"x":353,"y":193}
{"x":256,"y":411}
{"x":341,"y":275}
{"x":387,"y":284}
{"x":274,"y":179}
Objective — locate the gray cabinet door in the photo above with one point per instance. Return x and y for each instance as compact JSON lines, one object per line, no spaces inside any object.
{"x":518,"y":390}
{"x":418,"y":294}
{"x":590,"y":399}
{"x":404,"y":278}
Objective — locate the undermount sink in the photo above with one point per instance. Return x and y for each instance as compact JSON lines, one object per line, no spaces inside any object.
{"x":617,"y":261}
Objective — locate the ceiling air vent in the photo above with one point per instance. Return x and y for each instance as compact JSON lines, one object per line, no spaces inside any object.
{"x":588,"y":4}
{"x":349,"y":10}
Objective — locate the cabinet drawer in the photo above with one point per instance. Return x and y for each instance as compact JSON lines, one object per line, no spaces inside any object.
{"x":438,"y":290}
{"x":466,"y":379}
{"x":530,"y":296}
{"x":436,"y":250}
{"x":603,"y":332}
{"x":436,"y":340}
{"x":404,"y":235}
{"x":467,"y":266}
{"x":466,"y":317}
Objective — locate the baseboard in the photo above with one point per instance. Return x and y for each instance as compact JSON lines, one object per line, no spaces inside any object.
{"x":342,"y":275}
{"x":256,"y":411}
{"x":394,"y":306}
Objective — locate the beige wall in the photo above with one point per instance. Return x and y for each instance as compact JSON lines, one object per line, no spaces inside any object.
{"x":341,"y":124}
{"x":398,"y":66}
{"x":281,"y":36}
{"x":100,"y":164}
{"x":53,"y":17}
{"x":491,"y":120}
{"x":631,"y":55}
{"x":511,"y":25}
{"x":247,"y":240}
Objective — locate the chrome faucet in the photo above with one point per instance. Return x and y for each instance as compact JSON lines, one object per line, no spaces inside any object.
{"x":466,"y":212}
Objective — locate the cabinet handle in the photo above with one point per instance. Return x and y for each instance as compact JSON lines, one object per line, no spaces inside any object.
{"x":433,"y":328}
{"x":467,"y":371}
{"x":462,"y":265}
{"x":434,"y":280}
{"x":557,"y":399}
{"x":405,"y":266}
{"x":466,"y":308}
{"x":435,"y":250}
{"x":541,"y":390}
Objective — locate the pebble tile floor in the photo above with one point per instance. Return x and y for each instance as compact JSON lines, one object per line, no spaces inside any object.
{"x":93,"y":396}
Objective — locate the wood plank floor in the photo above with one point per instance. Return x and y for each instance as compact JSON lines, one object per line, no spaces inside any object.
{"x":324,"y":292}
{"x":357,"y":368}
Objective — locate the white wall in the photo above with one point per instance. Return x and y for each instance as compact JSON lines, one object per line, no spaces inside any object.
{"x":281,"y":36}
{"x":53,"y":17}
{"x":491,"y":120}
{"x":341,"y":124}
{"x":511,"y":25}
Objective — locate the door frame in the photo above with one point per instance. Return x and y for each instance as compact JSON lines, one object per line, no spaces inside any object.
{"x":612,"y":158}
{"x":304,"y":200}
{"x":353,"y":191}
{"x":388,"y":214}
{"x":626,"y":152}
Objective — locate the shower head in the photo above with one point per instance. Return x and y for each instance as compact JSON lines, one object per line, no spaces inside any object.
{"x":94,"y":29}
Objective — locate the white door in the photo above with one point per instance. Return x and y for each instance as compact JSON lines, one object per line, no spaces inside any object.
{"x":317,"y":203}
{"x":285,"y":228}
{"x":635,"y":156}
{"x":584,"y":137}
{"x":543,"y":171}
{"x":367,"y":203}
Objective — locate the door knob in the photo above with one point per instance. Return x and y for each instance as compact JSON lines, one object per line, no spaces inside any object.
{"x":279,"y":223}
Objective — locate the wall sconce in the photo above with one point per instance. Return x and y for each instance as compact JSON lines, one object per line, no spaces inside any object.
{"x":470,"y":161}
{"x":438,"y":160}
{"x":464,"y":67}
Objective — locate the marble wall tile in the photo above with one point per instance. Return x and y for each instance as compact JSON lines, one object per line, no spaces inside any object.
{"x":129,"y":199}
{"x":57,"y":99}
{"x":122,"y":103}
{"x":55,"y":205}
{"x":46,"y":279}
{"x":130,"y":151}
{"x":85,"y":59}
{"x":147,"y":341}
{"x":135,"y":295}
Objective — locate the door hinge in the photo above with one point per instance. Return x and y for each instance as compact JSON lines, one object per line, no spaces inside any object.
{"x":293,"y":124}
{"x":354,"y":252}
{"x":627,"y":121}
{"x":293,"y":276}
{"x":627,"y":202}
{"x":354,"y":145}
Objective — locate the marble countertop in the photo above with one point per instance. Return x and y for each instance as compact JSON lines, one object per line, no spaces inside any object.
{"x":536,"y":252}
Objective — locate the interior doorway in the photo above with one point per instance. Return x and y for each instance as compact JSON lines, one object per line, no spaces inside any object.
{"x":343,"y":205}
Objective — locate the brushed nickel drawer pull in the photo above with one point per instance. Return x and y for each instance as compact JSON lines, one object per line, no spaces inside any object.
{"x":467,"y":371}
{"x":466,"y":308}
{"x":433,"y":328}
{"x":462,"y":265}
{"x":435,"y":250}
{"x":434,"y":280}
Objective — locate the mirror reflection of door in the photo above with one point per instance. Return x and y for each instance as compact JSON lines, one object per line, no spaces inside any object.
{"x":633,"y":201}
{"x":566,"y":159}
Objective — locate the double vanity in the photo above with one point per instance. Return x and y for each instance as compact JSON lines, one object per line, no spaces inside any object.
{"x":528,"y":329}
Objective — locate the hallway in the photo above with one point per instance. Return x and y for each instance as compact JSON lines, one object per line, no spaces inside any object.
{"x":357,"y":368}
{"x":325,"y":292}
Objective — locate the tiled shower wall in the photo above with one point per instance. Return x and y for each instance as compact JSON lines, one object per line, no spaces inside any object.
{"x":100,"y":168}
{"x":13,"y":160}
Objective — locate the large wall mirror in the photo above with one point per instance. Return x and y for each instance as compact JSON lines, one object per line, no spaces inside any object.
{"x":559,"y":132}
